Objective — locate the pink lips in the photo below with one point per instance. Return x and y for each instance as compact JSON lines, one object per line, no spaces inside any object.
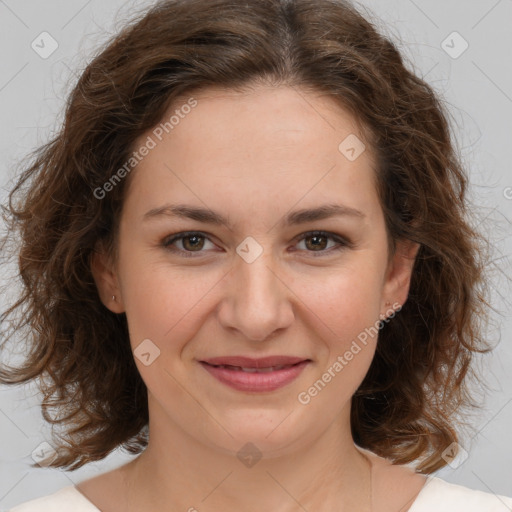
{"x":247,"y":374}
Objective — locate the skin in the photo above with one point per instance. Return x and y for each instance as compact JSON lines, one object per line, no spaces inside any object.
{"x":253,"y":157}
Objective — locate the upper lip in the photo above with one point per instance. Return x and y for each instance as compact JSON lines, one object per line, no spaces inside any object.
{"x":248,"y":362}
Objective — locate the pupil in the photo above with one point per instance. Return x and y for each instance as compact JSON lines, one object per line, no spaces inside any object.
{"x":316,"y":237}
{"x":196,"y":237}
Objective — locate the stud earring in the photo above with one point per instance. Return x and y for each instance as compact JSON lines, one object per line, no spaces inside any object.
{"x":114,"y":298}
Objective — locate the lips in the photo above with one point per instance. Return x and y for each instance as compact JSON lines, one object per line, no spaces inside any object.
{"x":255,"y":375}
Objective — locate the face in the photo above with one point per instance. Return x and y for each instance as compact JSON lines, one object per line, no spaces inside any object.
{"x":276,"y":276}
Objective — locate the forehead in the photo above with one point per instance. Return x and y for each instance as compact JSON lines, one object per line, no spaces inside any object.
{"x":267,"y":114}
{"x":272,"y":146}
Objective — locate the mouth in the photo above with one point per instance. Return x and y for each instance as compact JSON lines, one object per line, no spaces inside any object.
{"x":255,"y":375}
{"x":253,"y":370}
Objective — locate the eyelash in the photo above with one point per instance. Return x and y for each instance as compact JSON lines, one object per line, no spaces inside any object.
{"x":343,"y":242}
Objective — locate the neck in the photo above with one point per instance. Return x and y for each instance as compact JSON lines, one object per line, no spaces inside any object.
{"x":325,"y":474}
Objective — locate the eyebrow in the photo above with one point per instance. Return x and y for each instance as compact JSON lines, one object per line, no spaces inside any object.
{"x":210,"y":217}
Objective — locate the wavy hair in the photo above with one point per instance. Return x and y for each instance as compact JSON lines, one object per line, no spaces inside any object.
{"x":79,"y":351}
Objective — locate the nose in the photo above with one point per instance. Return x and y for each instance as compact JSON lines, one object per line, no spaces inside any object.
{"x":256,"y":299}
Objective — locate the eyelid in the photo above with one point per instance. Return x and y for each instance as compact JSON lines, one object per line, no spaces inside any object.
{"x":342,"y":241}
{"x":328,"y":234}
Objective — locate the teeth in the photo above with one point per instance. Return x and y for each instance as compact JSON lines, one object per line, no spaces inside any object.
{"x":252,"y":370}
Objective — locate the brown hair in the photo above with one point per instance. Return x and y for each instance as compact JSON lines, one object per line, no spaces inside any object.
{"x":405,"y":408}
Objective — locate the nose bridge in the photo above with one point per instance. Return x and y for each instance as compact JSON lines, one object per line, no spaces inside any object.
{"x":258,"y":281}
{"x":257,"y":302}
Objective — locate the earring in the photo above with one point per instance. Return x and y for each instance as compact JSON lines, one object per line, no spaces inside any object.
{"x":114,"y":298}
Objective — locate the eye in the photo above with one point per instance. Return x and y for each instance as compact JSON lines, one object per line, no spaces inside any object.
{"x":319,"y":242}
{"x":194,"y":242}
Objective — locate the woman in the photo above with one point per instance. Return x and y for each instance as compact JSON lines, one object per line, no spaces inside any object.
{"x":246,"y":259}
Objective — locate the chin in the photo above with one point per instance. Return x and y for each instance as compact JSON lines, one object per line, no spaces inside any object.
{"x":271,"y":432}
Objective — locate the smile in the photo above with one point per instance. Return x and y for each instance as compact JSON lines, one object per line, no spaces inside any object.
{"x":252,"y":379}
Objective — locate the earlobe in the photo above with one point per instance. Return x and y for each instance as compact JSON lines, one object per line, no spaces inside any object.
{"x":399,"y":273}
{"x":106,"y":280}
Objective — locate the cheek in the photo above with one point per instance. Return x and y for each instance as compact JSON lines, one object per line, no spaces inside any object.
{"x":346,"y":315}
{"x":347,"y":320}
{"x":163,"y":303}
{"x":346,"y":301}
{"x":164,"y":310}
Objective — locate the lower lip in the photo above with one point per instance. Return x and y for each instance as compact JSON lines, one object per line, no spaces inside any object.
{"x":255,"y":381}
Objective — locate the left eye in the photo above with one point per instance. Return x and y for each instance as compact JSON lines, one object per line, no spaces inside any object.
{"x":193,"y":242}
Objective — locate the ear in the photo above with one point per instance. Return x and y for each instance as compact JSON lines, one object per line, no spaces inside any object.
{"x":106,"y":279}
{"x":398,"y":276}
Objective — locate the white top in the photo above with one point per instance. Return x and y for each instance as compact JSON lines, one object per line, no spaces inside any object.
{"x":435,"y":496}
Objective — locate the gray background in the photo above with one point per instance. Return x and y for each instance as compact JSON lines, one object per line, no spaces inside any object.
{"x":477,"y":86}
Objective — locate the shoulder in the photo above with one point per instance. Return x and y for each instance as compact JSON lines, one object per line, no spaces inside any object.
{"x":442,"y":496}
{"x":65,"y":499}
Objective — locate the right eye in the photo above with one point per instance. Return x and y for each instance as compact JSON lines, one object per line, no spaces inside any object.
{"x":192,"y":242}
